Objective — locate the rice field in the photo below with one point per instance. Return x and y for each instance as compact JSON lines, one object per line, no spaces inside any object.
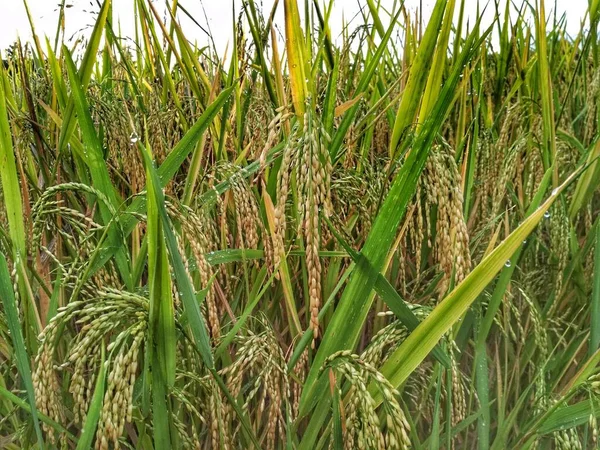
{"x":387,"y":239}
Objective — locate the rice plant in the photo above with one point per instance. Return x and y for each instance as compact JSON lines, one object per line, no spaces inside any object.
{"x":384,"y":239}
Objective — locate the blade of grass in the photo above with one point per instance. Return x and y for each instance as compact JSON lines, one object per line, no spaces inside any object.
{"x":85,"y":74}
{"x":93,"y":415}
{"x":22,"y":359}
{"x":570,"y":416}
{"x":595,"y":302}
{"x":417,"y":78}
{"x":545,"y":80}
{"x":162,"y":312}
{"x":94,"y":158}
{"x":192,"y":309}
{"x":294,"y":41}
{"x":13,"y":206}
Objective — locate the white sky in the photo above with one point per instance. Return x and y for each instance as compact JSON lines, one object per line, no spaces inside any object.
{"x":13,"y":19}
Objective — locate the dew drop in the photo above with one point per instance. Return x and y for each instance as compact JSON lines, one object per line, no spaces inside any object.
{"x":554,"y":191}
{"x":547,"y":214}
{"x":133,"y":138}
{"x":524,"y":241}
{"x":507,"y":263}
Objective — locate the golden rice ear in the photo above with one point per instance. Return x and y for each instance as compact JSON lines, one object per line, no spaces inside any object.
{"x":261,"y":364}
{"x":439,"y":190}
{"x":306,"y":156}
{"x":362,"y":426}
{"x":109,"y":316}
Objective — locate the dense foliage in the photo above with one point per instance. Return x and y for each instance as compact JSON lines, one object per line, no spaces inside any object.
{"x":388,"y":239}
